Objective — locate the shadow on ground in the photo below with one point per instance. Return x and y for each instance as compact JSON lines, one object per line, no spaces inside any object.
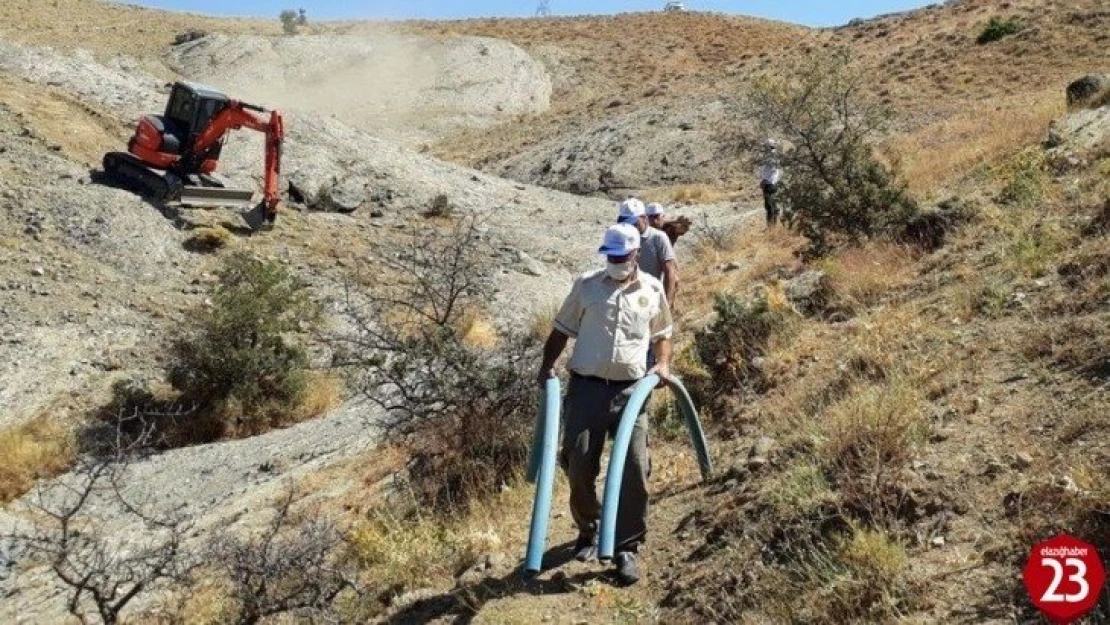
{"x":463,"y":604}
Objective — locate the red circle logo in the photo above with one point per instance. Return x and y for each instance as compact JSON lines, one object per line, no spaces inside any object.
{"x":1064,"y":578}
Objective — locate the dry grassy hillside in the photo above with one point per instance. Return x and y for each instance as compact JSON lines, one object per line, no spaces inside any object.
{"x":110,"y":28}
{"x":950,"y":93}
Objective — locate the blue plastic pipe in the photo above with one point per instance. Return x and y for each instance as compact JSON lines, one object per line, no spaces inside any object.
{"x":535,"y":454}
{"x":544,"y":446}
{"x":693,"y":425}
{"x":619,"y":453}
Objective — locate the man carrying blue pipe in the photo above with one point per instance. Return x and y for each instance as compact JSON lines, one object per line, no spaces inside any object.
{"x":614,"y":314}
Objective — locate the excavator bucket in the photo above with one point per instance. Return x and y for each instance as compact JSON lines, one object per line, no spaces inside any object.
{"x":200,"y":197}
{"x":256,"y":218}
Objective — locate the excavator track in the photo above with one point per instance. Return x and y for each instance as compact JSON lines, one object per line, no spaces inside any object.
{"x":128,"y":171}
{"x":160,"y":186}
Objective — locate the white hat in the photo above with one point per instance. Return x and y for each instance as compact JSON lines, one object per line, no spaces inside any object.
{"x":653,"y":209}
{"x":630,"y":210}
{"x":620,"y":239}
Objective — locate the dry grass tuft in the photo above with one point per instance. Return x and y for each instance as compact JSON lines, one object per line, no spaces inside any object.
{"x":953,"y":147}
{"x":695,"y":194}
{"x":323,"y":393}
{"x":477,"y":331}
{"x":542,"y":323}
{"x":208,"y":239}
{"x":862,"y":277}
{"x":42,"y":447}
{"x":867,"y":439}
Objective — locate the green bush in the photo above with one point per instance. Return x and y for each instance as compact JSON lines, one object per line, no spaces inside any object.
{"x":731,"y":346}
{"x":237,"y":364}
{"x":997,"y":28}
{"x":835,"y":190}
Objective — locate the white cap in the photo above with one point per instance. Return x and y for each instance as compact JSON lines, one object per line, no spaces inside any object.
{"x":653,"y":209}
{"x":630,"y":210}
{"x":620,"y":239}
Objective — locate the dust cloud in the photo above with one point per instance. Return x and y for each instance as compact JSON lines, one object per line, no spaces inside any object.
{"x":404,"y":88}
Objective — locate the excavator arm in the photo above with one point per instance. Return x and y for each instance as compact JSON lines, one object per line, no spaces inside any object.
{"x":238,"y":115}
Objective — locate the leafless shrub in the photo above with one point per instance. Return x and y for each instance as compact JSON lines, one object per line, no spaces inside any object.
{"x":458,"y":405}
{"x":293,"y":567}
{"x":102,"y":574}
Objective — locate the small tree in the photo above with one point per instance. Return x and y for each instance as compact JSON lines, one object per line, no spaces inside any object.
{"x":461,"y":407}
{"x":834,"y":188}
{"x":290,"y":21}
{"x":238,"y":361}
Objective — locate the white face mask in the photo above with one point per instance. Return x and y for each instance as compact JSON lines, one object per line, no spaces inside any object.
{"x":620,"y":271}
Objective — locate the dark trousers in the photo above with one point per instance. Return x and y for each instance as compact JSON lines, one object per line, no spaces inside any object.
{"x":592,"y":411}
{"x":770,"y":203}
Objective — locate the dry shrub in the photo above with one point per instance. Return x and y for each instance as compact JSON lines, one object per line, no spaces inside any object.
{"x":863,"y":277}
{"x":868,"y":438}
{"x":208,"y":239}
{"x":41,"y":447}
{"x":454,"y":401}
{"x":696,"y":194}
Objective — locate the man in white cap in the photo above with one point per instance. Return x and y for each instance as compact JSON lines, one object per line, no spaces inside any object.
{"x":614,"y":314}
{"x":656,"y":252}
{"x":655,"y":213}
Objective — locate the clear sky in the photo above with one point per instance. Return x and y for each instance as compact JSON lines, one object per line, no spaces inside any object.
{"x":808,"y":12}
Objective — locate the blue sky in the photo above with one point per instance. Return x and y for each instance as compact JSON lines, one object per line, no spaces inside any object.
{"x":809,"y":12}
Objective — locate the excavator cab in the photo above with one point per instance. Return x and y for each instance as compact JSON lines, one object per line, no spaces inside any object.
{"x":188,"y":112}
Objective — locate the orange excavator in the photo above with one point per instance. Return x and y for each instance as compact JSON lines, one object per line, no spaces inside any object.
{"x":173,"y":157}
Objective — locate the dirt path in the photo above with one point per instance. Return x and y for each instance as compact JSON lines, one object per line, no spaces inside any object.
{"x":568,"y":591}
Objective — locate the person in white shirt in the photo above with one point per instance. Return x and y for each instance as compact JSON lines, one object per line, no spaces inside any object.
{"x":770,"y":176}
{"x":614,"y":315}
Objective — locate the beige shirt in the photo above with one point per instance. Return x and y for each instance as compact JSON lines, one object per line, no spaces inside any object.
{"x":614,"y":324}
